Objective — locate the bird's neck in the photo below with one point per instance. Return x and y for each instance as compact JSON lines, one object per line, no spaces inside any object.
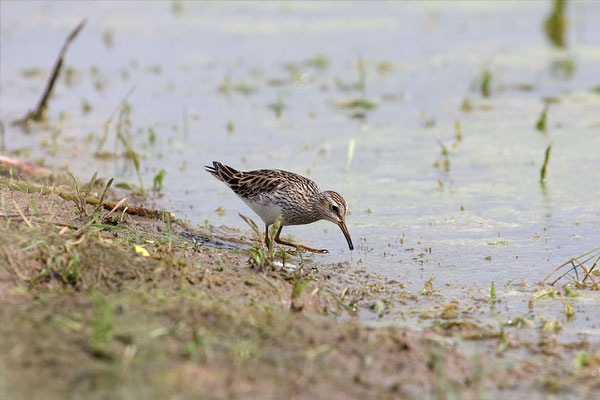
{"x":319,"y":203}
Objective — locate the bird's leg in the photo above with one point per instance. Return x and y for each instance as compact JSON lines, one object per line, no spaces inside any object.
{"x":267,"y":243}
{"x":278,"y":240}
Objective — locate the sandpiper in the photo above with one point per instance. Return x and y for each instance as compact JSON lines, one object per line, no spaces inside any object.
{"x":271,"y":193}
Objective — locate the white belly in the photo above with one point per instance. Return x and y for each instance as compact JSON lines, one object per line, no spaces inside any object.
{"x":265,"y":209}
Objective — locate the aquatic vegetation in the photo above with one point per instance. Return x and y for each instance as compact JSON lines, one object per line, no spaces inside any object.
{"x":319,"y":62}
{"x":466,"y":105}
{"x":485,"y":82}
{"x":555,"y":24}
{"x":458,"y":129}
{"x":362,"y":76}
{"x":86,"y":107}
{"x":100,"y":151}
{"x":563,"y":68}
{"x":279,"y":105}
{"x":541,"y":123}
{"x":222,"y":317}
{"x":151,"y":136}
{"x":228,"y":86}
{"x":444,"y":161}
{"x":158,"y":181}
{"x":545,"y":165}
{"x":579,"y":264}
{"x":568,"y":310}
{"x":362,"y":104}
{"x":123,"y":131}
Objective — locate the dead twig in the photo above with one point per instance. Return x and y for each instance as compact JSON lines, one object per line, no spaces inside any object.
{"x":576,"y":263}
{"x":108,"y":205}
{"x":6,"y":163}
{"x":588,"y":274}
{"x":22,"y":215}
{"x":119,"y":204}
{"x":40,"y":114}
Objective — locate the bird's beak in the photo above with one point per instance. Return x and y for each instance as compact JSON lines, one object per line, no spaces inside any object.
{"x":344,"y":229}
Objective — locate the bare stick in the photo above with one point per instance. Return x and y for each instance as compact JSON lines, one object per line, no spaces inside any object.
{"x":6,"y":163}
{"x":108,"y":205}
{"x":39,"y":114}
{"x":119,"y":204}
{"x":22,"y":215}
{"x":589,"y":274}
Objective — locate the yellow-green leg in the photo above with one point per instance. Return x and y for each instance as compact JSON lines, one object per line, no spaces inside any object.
{"x":278,"y":240}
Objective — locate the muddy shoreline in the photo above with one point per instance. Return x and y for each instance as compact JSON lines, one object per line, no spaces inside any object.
{"x":139,"y":307}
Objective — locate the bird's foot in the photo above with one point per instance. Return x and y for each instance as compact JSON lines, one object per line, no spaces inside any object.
{"x":320,"y":251}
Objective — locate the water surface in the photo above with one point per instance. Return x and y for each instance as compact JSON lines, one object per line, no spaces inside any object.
{"x":207,"y":78}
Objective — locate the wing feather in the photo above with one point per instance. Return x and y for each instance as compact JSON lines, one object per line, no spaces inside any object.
{"x":249,"y":184}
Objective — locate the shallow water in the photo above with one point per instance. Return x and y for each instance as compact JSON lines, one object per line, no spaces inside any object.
{"x":485,"y":219}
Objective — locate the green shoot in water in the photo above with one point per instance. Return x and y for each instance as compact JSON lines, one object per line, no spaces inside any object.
{"x":158,"y":181}
{"x":556,"y":24}
{"x":486,"y":78}
{"x":541,"y":124}
{"x":543,"y":170}
{"x":279,"y":105}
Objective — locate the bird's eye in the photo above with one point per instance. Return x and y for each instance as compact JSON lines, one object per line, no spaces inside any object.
{"x":334,"y":208}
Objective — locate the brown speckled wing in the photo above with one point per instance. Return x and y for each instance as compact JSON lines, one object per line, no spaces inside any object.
{"x":253,"y":183}
{"x":249,"y":184}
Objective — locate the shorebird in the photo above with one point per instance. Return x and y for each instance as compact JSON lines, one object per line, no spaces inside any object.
{"x":271,"y":193}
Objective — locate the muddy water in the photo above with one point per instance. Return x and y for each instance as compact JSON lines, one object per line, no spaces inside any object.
{"x":208,"y":78}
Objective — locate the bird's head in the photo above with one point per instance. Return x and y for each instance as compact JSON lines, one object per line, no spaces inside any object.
{"x":332,"y":207}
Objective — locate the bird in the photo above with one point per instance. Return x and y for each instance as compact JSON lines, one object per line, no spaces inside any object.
{"x":274,"y":193}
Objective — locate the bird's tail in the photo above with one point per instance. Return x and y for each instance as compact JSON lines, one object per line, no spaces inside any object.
{"x":221,"y":171}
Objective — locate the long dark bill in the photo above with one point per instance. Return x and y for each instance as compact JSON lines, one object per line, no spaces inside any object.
{"x":344,"y":229}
